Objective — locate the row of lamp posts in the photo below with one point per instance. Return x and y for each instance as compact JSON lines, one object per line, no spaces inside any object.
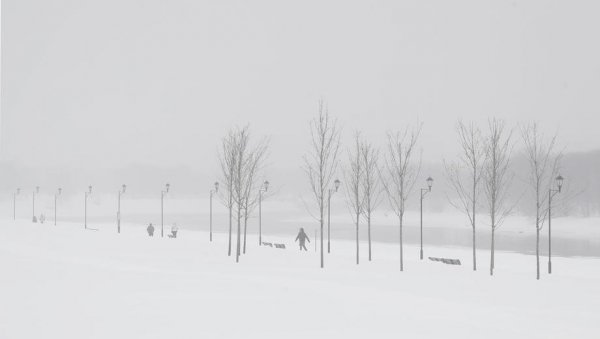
{"x":551,"y":193}
{"x":86,"y":195}
{"x":264,"y":188}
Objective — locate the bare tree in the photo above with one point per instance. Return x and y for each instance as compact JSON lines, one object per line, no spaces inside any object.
{"x":353,"y":177}
{"x":466,"y":187}
{"x":240,"y":164}
{"x":320,"y":164}
{"x":496,"y":177}
{"x":543,"y":160}
{"x":227,"y":158}
{"x":371,"y":184}
{"x":401,"y":173}
{"x":248,"y":161}
{"x":256,"y":158}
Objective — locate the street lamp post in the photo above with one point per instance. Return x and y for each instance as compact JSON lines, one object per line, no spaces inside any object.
{"x":162,"y":219}
{"x":59,"y":192}
{"x":424,"y":192}
{"x":37,"y":190}
{"x":87,"y":193}
{"x":15,"y":203}
{"x":121,"y":191}
{"x":551,"y":193}
{"x":262,"y":190}
{"x":329,"y":193}
{"x":212,"y":192}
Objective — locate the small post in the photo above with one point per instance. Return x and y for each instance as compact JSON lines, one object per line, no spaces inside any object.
{"x":15,"y":203}
{"x":211,"y":207}
{"x":56,"y":198}
{"x":550,"y":231}
{"x":37,"y":190}
{"x":87,"y":193}
{"x":329,"y":220}
{"x":260,"y":218}
{"x":330,"y":191}
{"x":263,"y":189}
{"x":162,"y":219}
{"x":559,"y":182}
{"x":121,"y":191}
{"x":424,"y":192}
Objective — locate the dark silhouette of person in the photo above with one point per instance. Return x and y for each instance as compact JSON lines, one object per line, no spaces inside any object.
{"x":302,"y":238}
{"x":150,"y":230}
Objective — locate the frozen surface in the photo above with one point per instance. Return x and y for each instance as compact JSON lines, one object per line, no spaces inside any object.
{"x":66,"y":282}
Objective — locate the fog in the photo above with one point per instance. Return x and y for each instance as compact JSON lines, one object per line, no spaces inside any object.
{"x":114,"y":91}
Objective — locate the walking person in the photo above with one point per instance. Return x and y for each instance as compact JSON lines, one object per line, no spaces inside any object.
{"x":150,"y":230}
{"x":302,"y":238}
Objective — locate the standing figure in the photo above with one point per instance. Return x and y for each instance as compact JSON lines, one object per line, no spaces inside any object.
{"x":42,"y":218}
{"x":302,"y":238}
{"x":174,"y":230}
{"x":150,"y":230}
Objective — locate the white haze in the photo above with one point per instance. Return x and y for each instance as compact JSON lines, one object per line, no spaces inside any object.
{"x":103,"y":88}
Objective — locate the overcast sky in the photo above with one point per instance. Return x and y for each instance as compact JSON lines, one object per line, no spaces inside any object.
{"x":119,"y":82}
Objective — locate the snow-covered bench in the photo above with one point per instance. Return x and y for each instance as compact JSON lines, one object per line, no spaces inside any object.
{"x":446,"y":261}
{"x":270,"y":244}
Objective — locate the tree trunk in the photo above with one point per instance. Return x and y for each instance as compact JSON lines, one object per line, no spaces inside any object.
{"x":401,"y":249}
{"x":357,"y":221}
{"x":474,"y":211}
{"x":369,"y":233}
{"x":492,"y":254}
{"x":321,"y":240}
{"x":230,"y":226}
{"x":474,"y":253}
{"x":245,"y":227}
{"x":321,"y":220}
{"x":537,"y":252}
{"x":239,"y":222}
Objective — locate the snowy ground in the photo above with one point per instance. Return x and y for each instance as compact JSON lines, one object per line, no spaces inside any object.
{"x":66,"y":282}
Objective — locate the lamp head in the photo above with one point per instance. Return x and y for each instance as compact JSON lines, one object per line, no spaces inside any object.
{"x":18,"y":190}
{"x":216,"y":186}
{"x":59,"y":191}
{"x":167,"y":186}
{"x":90,"y":189}
{"x":37,"y":189}
{"x":559,"y":182}
{"x":124,"y":188}
{"x":266,"y":185}
{"x":337,"y":184}
{"x":429,"y":182}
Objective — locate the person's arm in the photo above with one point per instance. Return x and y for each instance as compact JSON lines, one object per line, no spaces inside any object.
{"x":298,"y":236}
{"x":307,"y":238}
